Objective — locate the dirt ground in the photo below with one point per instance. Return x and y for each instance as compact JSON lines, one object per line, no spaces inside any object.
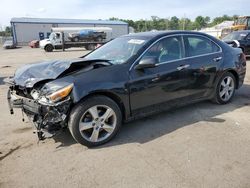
{"x":202,"y":145}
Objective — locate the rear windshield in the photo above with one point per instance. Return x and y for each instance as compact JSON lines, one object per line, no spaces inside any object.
{"x":235,"y":36}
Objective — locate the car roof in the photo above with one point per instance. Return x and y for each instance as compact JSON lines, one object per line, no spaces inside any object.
{"x":153,"y":34}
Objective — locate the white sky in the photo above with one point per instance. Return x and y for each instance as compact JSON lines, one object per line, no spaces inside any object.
{"x":127,"y":9}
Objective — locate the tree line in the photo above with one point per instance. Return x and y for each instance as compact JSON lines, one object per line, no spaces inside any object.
{"x":156,"y":23}
{"x":175,"y":23}
{"x":6,"y":32}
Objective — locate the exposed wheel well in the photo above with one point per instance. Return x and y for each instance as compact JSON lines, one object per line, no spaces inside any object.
{"x":112,"y":96}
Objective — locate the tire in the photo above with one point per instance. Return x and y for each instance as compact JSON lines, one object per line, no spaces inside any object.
{"x":225,"y":89}
{"x":49,"y":48}
{"x":99,"y":39}
{"x":97,"y":115}
{"x":76,"y":39}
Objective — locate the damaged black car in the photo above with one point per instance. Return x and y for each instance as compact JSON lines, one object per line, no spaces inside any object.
{"x":130,"y":77}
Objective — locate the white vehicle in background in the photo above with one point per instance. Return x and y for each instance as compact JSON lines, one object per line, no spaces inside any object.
{"x":66,"y":37}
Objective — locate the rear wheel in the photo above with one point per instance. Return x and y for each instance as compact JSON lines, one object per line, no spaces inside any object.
{"x":99,"y":39}
{"x":76,"y":39}
{"x":225,"y":89}
{"x":49,"y":48}
{"x":95,"y":121}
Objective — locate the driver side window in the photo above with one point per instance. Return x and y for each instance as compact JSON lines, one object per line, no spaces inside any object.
{"x":168,"y":49}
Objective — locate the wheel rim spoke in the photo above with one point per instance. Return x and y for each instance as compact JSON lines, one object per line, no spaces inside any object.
{"x":94,"y":136}
{"x":108,"y":128}
{"x":223,"y":83}
{"x":93,"y":111}
{"x":231,"y":88}
{"x":222,"y":93}
{"x":109,"y":112}
{"x":228,"y":81}
{"x":227,"y":95}
{"x":85,"y":126}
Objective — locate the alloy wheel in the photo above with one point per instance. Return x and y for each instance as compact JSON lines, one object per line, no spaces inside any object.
{"x":227,"y":88}
{"x":97,"y":123}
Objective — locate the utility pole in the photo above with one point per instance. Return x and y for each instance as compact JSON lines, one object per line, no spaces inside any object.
{"x":184,"y":22}
{"x":166,"y":23}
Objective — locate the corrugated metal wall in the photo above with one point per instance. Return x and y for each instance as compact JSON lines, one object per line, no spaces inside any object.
{"x":25,"y":32}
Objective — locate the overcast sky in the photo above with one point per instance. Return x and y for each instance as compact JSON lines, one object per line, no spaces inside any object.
{"x":127,"y":9}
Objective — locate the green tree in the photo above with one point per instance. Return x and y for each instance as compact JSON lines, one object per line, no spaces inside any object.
{"x":8,"y":30}
{"x":200,"y":22}
{"x":174,"y":23}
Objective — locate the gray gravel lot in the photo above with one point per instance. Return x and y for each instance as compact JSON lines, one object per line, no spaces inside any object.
{"x":202,"y":145}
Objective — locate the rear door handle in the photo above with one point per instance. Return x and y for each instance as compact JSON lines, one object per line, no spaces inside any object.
{"x":182,"y":67}
{"x":217,"y":59}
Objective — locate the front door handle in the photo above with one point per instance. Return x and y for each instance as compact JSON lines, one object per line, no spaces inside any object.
{"x":217,"y":59}
{"x":182,"y":67}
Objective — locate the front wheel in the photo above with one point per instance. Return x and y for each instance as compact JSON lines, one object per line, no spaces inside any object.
{"x":95,"y":121}
{"x":49,"y":48}
{"x":225,"y":89}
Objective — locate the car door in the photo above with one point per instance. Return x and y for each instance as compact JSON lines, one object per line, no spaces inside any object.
{"x":247,"y":45}
{"x":204,"y":57}
{"x":152,"y":87}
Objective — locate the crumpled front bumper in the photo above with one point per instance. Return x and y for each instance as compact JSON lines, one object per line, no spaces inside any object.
{"x":26,"y":104}
{"x":46,"y":118}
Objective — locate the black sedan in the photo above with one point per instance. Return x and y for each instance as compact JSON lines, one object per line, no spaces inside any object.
{"x":239,"y":39}
{"x":130,"y":77}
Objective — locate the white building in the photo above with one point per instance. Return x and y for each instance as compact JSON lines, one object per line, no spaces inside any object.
{"x":216,"y":31}
{"x":26,"y":29}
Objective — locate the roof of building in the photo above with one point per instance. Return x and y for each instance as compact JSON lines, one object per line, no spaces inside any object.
{"x":66,"y":21}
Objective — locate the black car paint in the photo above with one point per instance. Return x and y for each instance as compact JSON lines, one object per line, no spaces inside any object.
{"x":244,"y":42}
{"x":134,"y":89}
{"x":142,"y":92}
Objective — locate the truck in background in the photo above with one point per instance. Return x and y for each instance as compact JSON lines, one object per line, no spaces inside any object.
{"x":87,"y":35}
{"x":241,"y":23}
{"x":65,"y":37}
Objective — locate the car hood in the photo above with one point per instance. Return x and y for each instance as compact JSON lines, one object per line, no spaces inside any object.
{"x":30,"y":74}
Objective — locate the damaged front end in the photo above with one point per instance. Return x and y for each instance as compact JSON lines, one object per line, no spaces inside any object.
{"x":47,"y":108}
{"x":44,"y":92}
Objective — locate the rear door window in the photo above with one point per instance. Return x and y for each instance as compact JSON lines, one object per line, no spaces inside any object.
{"x":197,"y":45}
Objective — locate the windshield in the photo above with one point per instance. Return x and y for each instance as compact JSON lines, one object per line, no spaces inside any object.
{"x":241,"y":21}
{"x":119,"y":50}
{"x":52,"y":36}
{"x":235,"y":36}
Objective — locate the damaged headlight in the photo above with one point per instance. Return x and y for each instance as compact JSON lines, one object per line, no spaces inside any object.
{"x":55,"y":96}
{"x":60,"y":94}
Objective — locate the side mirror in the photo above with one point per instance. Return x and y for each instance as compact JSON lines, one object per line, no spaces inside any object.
{"x":149,"y":62}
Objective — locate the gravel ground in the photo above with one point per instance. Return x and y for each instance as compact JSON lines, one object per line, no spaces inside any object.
{"x":202,"y":145}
